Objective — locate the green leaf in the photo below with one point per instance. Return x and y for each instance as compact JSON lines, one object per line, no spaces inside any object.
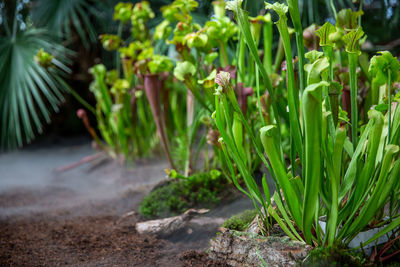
{"x":62,"y":17}
{"x":280,"y":8}
{"x":381,"y":65}
{"x":162,"y":30}
{"x":382,"y":107}
{"x":209,"y":58}
{"x":27,"y":90}
{"x":234,"y":5}
{"x":312,"y":112}
{"x":352,"y":40}
{"x":123,"y":12}
{"x":196,"y":39}
{"x":313,"y":55}
{"x":271,"y":143}
{"x":316,"y":69}
{"x":160,"y":63}
{"x":183,"y":69}
{"x":347,"y":19}
{"x":324,"y":32}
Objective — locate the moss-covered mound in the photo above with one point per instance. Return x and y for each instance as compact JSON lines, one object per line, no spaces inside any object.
{"x":240,"y":221}
{"x":335,"y":257}
{"x":203,"y":190}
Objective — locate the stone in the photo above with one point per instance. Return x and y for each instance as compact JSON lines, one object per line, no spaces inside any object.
{"x":249,"y":249}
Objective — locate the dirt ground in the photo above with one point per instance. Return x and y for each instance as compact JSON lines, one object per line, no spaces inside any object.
{"x":102,"y":240}
{"x":85,"y":216}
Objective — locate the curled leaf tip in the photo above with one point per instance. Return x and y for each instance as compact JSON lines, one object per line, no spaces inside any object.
{"x":352,"y":40}
{"x":234,"y":5}
{"x":324,"y":32}
{"x":279,"y":8}
{"x":184,"y":69}
{"x":313,"y":55}
{"x":269,"y":131}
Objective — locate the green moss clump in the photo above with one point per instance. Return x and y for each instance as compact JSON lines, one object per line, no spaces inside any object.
{"x":199,"y":190}
{"x":241,"y":221}
{"x":334,"y":257}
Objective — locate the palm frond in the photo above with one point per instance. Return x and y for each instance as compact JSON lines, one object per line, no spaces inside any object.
{"x":61,"y":17}
{"x":28,"y":91}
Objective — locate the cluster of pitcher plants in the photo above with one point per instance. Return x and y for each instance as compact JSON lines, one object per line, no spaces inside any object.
{"x":325,"y":123}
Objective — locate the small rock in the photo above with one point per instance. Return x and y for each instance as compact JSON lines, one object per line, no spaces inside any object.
{"x":168,"y":225}
{"x":249,"y":249}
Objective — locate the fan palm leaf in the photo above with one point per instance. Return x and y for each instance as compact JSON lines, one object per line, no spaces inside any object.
{"x":61,"y":17}
{"x":28,"y":91}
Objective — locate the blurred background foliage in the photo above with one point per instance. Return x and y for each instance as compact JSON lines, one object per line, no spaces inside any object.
{"x":69,"y":30}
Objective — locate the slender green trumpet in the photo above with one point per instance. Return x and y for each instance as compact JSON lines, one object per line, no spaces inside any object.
{"x":312,"y":113}
{"x":327,"y":47}
{"x":353,"y":50}
{"x":267,"y":33}
{"x":334,"y":165}
{"x":243,"y":24}
{"x":293,"y":104}
{"x":270,"y":140}
{"x":279,"y":56}
{"x":295,"y":15}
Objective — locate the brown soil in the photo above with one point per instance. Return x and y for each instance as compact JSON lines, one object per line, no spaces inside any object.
{"x":59,"y":238}
{"x":84,"y":216}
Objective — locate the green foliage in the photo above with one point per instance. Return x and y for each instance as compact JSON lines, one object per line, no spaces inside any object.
{"x":381,"y":65}
{"x":352,"y":40}
{"x":324,"y":32}
{"x":159,"y":64}
{"x":199,"y":190}
{"x":280,"y":8}
{"x":123,"y":12}
{"x":110,"y":41}
{"x":348,"y":180}
{"x":183,"y":69}
{"x":335,"y":256}
{"x":347,"y":19}
{"x":240,"y":221}
{"x":62,"y":17}
{"x":31,"y":84}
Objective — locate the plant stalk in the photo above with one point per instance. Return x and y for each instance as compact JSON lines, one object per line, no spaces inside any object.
{"x":353,"y":60}
{"x":295,"y":15}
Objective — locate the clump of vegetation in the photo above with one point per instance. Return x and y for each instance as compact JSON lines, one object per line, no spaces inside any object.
{"x":326,"y":172}
{"x":240,"y":221}
{"x":199,"y":190}
{"x":335,"y":256}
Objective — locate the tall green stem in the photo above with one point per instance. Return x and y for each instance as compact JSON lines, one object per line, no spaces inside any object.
{"x":312,"y":112}
{"x":223,"y":55}
{"x":329,"y":98}
{"x":353,"y":59}
{"x":267,"y":33}
{"x":333,"y":8}
{"x":243,"y":23}
{"x":242,"y":59}
{"x":279,"y":56}
{"x":292,"y":90}
{"x":295,"y":15}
